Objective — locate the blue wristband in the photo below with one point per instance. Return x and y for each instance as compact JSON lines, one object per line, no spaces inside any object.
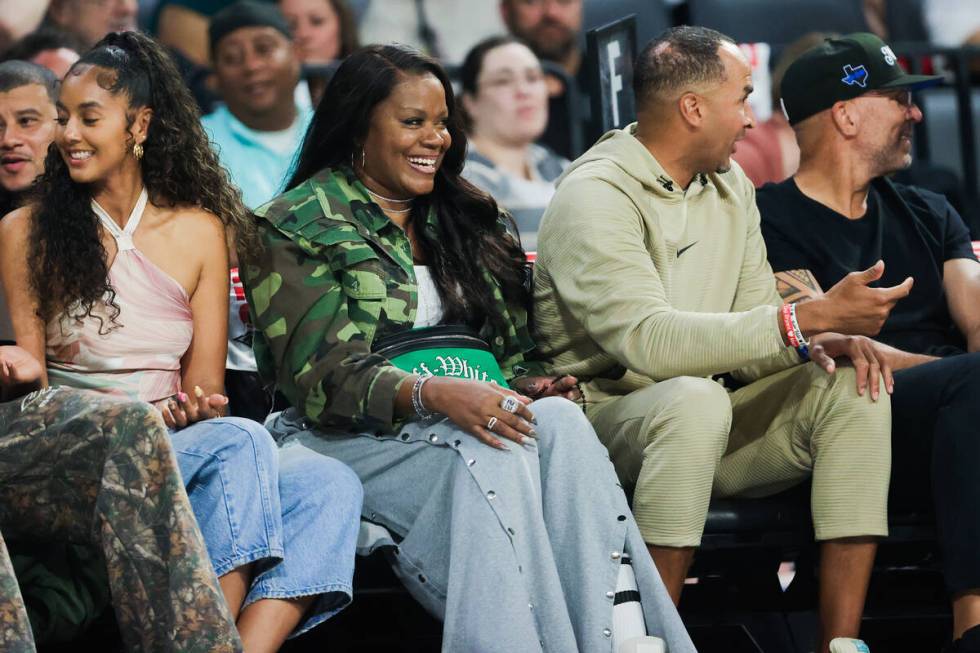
{"x":803,"y":352}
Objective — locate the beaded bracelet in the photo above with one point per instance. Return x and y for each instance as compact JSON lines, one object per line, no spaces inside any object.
{"x":417,"y":404}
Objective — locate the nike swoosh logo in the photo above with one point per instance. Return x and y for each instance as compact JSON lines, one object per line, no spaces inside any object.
{"x":684,"y":249}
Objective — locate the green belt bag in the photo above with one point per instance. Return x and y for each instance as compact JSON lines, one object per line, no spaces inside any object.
{"x":455,"y":351}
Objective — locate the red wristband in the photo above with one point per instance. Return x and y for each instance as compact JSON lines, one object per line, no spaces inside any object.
{"x":788,"y":325}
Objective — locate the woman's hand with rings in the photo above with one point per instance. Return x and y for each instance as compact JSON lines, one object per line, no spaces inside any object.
{"x":182,"y":410}
{"x":486,"y":411}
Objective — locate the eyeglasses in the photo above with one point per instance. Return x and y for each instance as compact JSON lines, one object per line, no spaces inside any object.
{"x":903,"y":96}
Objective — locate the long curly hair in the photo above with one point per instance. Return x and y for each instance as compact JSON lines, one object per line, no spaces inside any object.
{"x":468,"y":241}
{"x":68,"y":266}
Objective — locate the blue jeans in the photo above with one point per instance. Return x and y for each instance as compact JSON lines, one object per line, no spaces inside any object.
{"x":295,"y":514}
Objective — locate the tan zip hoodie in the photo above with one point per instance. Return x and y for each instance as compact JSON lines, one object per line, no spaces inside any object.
{"x":638,"y":280}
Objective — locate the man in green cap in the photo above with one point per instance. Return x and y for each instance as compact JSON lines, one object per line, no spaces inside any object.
{"x":851,"y":106}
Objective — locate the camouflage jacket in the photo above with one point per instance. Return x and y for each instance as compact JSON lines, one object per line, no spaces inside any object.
{"x":334,"y":274}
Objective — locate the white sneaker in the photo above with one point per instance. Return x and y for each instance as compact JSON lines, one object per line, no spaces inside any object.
{"x":645,"y":644}
{"x":848,"y":645}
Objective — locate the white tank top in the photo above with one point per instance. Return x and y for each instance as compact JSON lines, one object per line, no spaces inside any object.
{"x":429,"y":311}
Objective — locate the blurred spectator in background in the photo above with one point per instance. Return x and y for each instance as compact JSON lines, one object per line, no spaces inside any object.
{"x":769,"y":152}
{"x":90,"y":20}
{"x":50,"y":47}
{"x":323,"y":31}
{"x":182,"y":25}
{"x":259,"y":127}
{"x":505,"y":100}
{"x":18,"y":18}
{"x":27,"y":125}
{"x":552,"y":28}
{"x":256,"y":132}
{"x":952,"y":23}
{"x":876,"y":16}
{"x":443,"y":28}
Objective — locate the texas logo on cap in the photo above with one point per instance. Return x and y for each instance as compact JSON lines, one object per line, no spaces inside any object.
{"x":855,"y":76}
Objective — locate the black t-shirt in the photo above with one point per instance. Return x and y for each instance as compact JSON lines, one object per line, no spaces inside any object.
{"x":914,"y":231}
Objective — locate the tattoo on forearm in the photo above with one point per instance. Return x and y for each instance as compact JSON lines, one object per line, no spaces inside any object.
{"x":797,"y":286}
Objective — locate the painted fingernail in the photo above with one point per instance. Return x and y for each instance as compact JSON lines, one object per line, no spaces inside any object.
{"x":182,"y":396}
{"x":526,"y":441}
{"x":534,"y":420}
{"x":172,"y":405}
{"x":532,"y":433}
{"x":198,"y":392}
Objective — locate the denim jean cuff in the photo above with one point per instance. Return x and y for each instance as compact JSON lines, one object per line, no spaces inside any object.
{"x":331,"y":599}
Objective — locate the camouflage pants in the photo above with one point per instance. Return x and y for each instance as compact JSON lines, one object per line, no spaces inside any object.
{"x":82,"y":467}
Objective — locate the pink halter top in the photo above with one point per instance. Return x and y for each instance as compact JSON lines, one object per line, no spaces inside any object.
{"x":139,"y":356}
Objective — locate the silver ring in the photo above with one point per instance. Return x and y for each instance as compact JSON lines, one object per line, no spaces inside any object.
{"x":492,"y":423}
{"x":510,"y":404}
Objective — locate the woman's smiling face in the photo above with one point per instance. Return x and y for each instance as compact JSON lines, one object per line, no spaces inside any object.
{"x":96,"y":128}
{"x":407,"y":139}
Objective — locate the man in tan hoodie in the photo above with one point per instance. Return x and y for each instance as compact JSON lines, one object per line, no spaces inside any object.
{"x":652,"y":277}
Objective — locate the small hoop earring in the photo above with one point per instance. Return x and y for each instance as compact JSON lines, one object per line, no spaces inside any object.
{"x":138,"y":151}
{"x":362,"y":158}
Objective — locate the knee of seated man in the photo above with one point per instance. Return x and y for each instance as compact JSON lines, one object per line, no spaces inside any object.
{"x":967,"y":373}
{"x":699,"y":402}
{"x":842,"y":396}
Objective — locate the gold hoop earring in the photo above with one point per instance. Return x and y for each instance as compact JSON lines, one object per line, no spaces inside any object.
{"x":137,"y":151}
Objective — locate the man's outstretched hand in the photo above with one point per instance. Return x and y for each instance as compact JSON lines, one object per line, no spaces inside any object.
{"x":852,"y":307}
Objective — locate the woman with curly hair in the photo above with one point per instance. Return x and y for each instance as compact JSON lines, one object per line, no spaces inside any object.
{"x":118,"y":275}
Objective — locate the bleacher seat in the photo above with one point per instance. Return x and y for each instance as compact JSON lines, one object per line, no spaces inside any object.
{"x":652,"y":16}
{"x":777,"y":21}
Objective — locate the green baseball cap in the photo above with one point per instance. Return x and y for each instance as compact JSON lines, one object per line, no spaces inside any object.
{"x":843,"y":68}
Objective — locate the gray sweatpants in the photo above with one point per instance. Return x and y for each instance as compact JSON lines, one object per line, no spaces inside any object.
{"x":515,"y":550}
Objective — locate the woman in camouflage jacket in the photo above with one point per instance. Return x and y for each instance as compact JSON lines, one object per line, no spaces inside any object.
{"x":510,"y":522}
